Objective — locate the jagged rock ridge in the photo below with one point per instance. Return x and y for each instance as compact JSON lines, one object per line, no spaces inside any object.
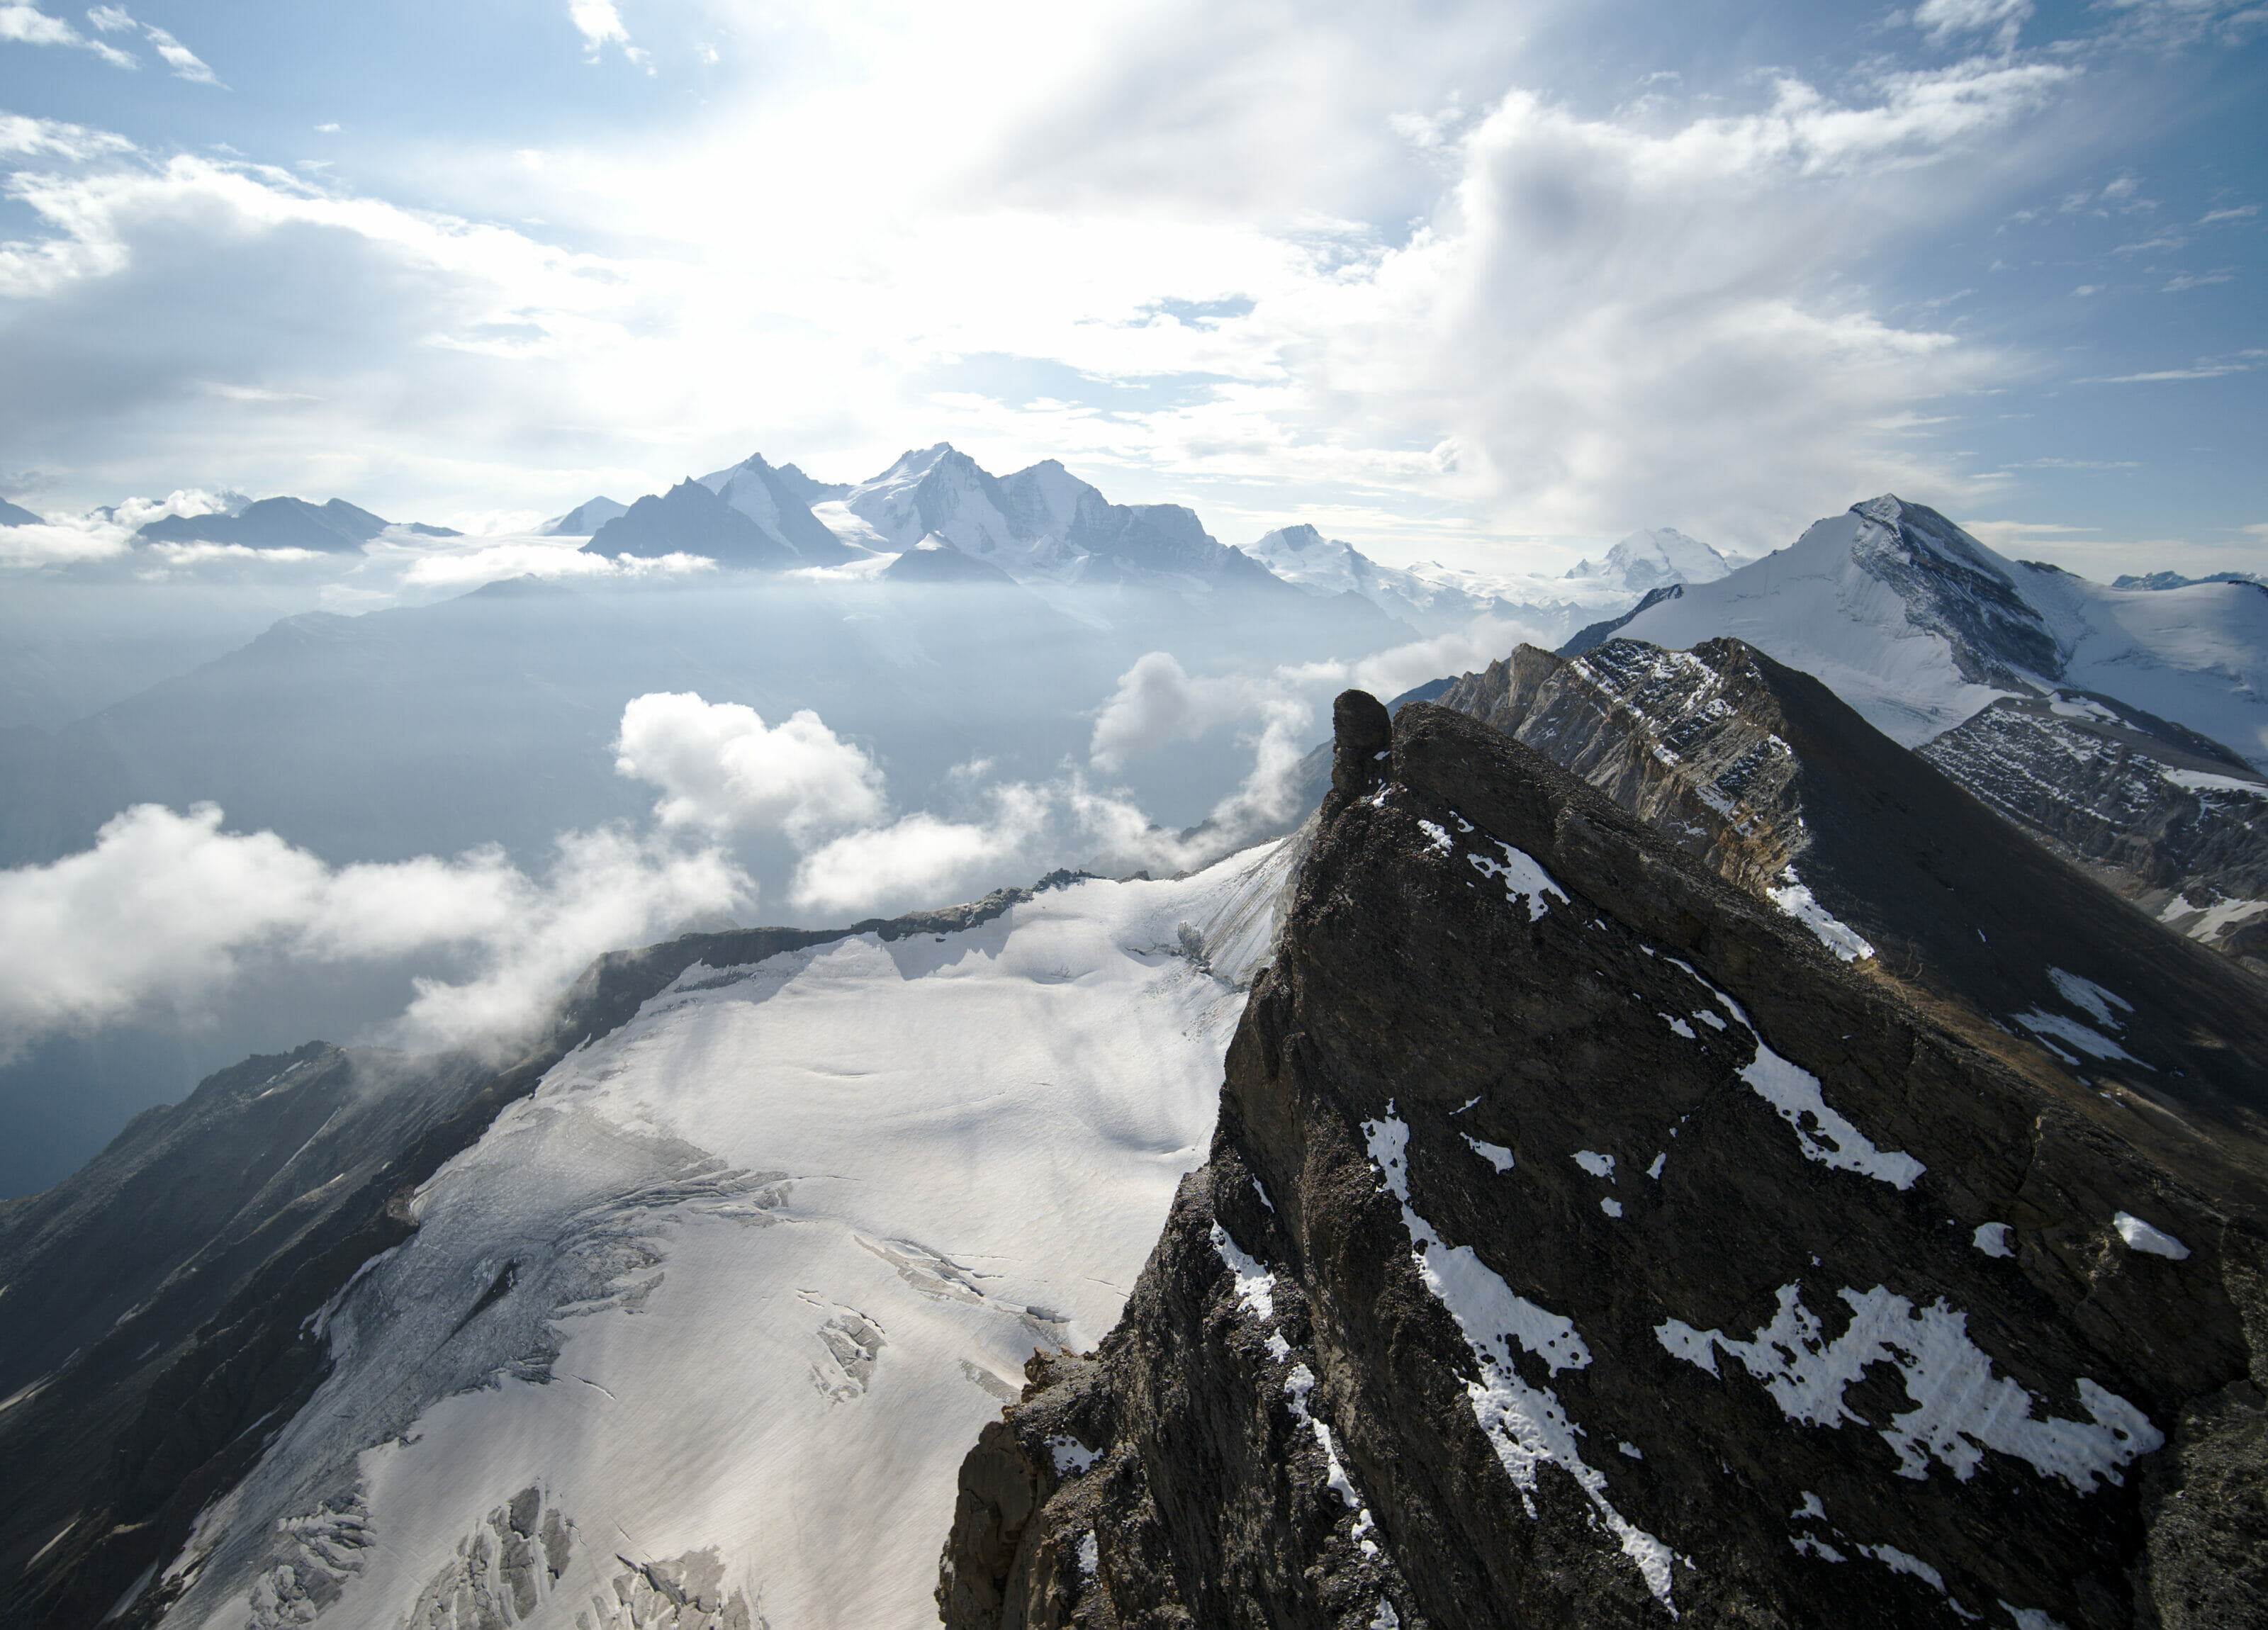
{"x":1582,"y":1242}
{"x":1765,"y":776}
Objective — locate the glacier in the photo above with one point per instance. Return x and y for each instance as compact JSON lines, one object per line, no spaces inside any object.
{"x":728,"y":1297}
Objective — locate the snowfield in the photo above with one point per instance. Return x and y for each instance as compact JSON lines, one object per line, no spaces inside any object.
{"x":699,"y":1332}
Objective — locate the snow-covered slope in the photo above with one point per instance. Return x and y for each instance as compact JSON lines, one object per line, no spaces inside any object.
{"x":2197,"y":655}
{"x":699,"y":1332}
{"x":584,"y":519}
{"x":940,"y":494}
{"x":1302,"y":556}
{"x":772,"y":501}
{"x":1918,"y":626}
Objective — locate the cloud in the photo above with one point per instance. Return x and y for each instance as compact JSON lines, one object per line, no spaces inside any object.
{"x":1943,"y":19}
{"x":920,"y":857}
{"x":2204,"y":368}
{"x":2241,"y":212}
{"x":1156,"y":703}
{"x":169,"y":909}
{"x":462,"y":568}
{"x":722,"y":769}
{"x":600,"y":25}
{"x":178,"y":57}
{"x":1520,"y":310}
{"x":39,"y":138}
{"x":112,"y":19}
{"x":25,"y":25}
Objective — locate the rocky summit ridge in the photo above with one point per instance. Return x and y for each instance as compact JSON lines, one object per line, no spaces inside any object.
{"x":1918,"y":864}
{"x":1583,"y":1242}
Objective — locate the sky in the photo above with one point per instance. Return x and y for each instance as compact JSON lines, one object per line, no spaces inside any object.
{"x":1489,"y":284}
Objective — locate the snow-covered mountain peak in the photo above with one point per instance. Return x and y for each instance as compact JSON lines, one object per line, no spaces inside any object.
{"x":1918,"y":626}
{"x":1045,"y":502}
{"x":1302,"y":556}
{"x":1920,"y":529}
{"x":1655,"y":556}
{"x":1955,"y":586}
{"x":935,"y":492}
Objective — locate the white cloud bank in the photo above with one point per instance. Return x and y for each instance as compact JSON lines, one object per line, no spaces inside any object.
{"x":170,"y":909}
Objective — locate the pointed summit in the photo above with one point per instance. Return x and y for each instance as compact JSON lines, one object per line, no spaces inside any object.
{"x":691,"y":520}
{"x":780,"y":512}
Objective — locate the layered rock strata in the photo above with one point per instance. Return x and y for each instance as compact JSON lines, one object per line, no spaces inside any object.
{"x":1584,"y":1243}
{"x":2173,"y":820}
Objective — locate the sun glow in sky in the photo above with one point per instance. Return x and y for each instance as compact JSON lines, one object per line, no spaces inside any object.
{"x":1484,"y":283}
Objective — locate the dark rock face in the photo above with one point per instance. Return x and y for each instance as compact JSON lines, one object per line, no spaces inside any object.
{"x":1952,"y":589}
{"x":2173,"y":820}
{"x":944,"y":565}
{"x":1599,"y":633}
{"x":1770,"y":780}
{"x":1581,"y":1241}
{"x":791,"y":521}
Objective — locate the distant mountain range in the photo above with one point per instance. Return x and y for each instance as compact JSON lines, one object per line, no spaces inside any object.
{"x":334,"y":528}
{"x":1043,"y":526}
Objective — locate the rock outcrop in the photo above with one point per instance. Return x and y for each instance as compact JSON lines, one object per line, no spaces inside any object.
{"x":2173,"y":820}
{"x":1768,"y":778}
{"x":1584,"y":1243}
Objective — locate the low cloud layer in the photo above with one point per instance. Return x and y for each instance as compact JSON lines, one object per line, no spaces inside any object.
{"x":169,"y":910}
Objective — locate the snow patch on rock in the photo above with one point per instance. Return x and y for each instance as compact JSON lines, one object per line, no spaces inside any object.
{"x":1961,"y":1407}
{"x":1526,"y":1426}
{"x":1793,"y":897}
{"x":2141,"y":1236}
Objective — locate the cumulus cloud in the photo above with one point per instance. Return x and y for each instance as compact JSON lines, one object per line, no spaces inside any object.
{"x":600,"y":25}
{"x":1157,"y":702}
{"x":722,"y":769}
{"x":1624,"y":321}
{"x":921,"y":856}
{"x":169,"y":909}
{"x":1385,"y":674}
